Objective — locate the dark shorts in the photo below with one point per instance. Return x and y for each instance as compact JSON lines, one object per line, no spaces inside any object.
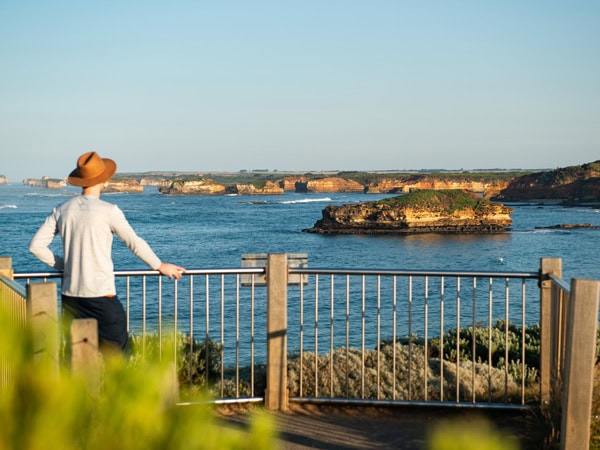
{"x":108,"y":311}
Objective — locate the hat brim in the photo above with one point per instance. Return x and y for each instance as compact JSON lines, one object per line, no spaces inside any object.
{"x":110,"y":167}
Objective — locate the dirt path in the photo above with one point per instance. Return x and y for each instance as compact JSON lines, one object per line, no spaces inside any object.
{"x":352,"y":428}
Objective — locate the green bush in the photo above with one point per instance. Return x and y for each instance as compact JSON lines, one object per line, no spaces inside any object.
{"x":469,"y":435}
{"x":41,"y":407}
{"x":494,"y":340}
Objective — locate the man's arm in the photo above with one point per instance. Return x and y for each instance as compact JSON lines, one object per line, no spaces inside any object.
{"x":39,"y":245}
{"x":140,"y":247}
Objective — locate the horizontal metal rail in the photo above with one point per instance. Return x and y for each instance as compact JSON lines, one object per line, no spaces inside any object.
{"x":416,"y":273}
{"x":562,"y":284}
{"x":136,"y":273}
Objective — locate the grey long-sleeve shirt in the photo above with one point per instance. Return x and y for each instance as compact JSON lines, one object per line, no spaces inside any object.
{"x":86,"y":226}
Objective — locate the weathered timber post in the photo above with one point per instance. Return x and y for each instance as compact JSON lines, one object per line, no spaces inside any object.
{"x":580,"y":357}
{"x":547,"y":322}
{"x":276,"y":395}
{"x":6,"y":269}
{"x":85,"y":355}
{"x":42,"y":317}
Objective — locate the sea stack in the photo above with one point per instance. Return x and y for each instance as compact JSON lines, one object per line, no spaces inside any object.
{"x":426,"y":211}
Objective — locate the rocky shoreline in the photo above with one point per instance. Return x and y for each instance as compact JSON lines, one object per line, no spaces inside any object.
{"x":570,"y":226}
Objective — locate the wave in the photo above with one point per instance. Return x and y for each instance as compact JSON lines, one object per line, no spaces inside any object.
{"x":37,"y":194}
{"x":543,"y":231}
{"x":305,"y":200}
{"x":8,"y":206}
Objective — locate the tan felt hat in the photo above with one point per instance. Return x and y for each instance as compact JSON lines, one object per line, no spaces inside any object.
{"x":92,"y":170}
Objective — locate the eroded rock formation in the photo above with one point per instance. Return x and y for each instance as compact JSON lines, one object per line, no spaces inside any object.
{"x":329,"y":184}
{"x":427,"y":211}
{"x":3,"y":179}
{"x":201,"y":186}
{"x":289,"y":183}
{"x":268,"y":188}
{"x":45,"y":182}
{"x":420,"y":182}
{"x":128,"y":185}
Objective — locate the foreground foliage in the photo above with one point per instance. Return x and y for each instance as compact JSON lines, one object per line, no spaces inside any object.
{"x":133,"y":409}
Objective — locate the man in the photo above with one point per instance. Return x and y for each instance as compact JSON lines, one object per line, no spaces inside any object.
{"x":86,"y":226}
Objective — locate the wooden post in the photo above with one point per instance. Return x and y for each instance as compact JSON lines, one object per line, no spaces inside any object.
{"x":548,"y":266}
{"x":276,"y":395}
{"x":580,"y":358}
{"x":6,"y":269}
{"x":42,"y":317}
{"x":85,"y":355}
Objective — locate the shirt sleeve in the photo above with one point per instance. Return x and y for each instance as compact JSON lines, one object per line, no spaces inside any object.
{"x":40,"y":243}
{"x":140,"y":248}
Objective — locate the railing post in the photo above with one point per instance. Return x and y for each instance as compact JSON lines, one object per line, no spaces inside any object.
{"x":85,"y":355}
{"x":6,"y":269}
{"x":42,"y":317}
{"x":547,"y":321}
{"x":276,"y":395}
{"x":580,"y":357}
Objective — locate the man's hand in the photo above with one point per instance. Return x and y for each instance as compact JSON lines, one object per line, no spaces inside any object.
{"x":171,"y":270}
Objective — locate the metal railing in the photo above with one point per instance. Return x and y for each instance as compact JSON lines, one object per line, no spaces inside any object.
{"x":388,"y":336}
{"x":365,"y":310}
{"x":213,"y":324}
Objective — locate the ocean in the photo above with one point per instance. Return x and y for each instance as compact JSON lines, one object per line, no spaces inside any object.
{"x":214,"y":232}
{"x":205,"y":232}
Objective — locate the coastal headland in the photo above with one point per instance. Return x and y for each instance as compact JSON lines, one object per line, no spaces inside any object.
{"x":569,"y":185}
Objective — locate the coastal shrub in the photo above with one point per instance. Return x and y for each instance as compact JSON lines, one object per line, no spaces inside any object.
{"x":133,"y":408}
{"x":371,"y":375}
{"x":448,"y":200}
{"x":198,"y":361}
{"x":199,"y":367}
{"x":492,"y":343}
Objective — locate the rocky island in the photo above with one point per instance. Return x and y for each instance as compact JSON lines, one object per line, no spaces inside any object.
{"x":427,"y":211}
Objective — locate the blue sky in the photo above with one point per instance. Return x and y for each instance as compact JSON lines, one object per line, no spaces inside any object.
{"x":298,"y":85}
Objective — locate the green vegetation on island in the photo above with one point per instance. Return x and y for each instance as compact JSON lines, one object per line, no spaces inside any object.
{"x":448,"y":200}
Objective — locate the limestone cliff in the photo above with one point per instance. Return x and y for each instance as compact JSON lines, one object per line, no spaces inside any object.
{"x":289,"y":183}
{"x":420,"y":182}
{"x":45,"y":182}
{"x":155,"y":181}
{"x":427,"y":211}
{"x":329,"y":184}
{"x":3,"y":179}
{"x":578,"y":184}
{"x":124,"y":185}
{"x":266,"y":188}
{"x":201,"y":186}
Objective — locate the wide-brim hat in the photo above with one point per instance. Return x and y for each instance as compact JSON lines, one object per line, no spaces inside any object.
{"x":91,"y":170}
